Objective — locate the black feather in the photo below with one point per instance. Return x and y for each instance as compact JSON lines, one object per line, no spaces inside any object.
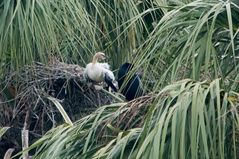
{"x":133,"y":87}
{"x":109,"y":81}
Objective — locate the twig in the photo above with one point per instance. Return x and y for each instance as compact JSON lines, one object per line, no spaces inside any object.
{"x":8,"y":154}
{"x":25,"y":135}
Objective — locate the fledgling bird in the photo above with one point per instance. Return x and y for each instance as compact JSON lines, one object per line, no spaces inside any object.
{"x":99,"y":72}
{"x":132,"y":88}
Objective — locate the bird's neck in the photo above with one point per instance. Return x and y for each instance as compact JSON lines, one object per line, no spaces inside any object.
{"x":95,"y":60}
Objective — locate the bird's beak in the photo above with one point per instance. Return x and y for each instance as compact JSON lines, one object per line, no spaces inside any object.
{"x":105,"y":57}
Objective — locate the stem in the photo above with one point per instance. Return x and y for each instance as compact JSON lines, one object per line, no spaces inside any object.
{"x":25,"y":135}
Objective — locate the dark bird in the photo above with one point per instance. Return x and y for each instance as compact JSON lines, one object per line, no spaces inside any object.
{"x":130,"y":84}
{"x":99,"y":72}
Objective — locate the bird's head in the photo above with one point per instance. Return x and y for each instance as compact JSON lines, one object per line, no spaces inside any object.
{"x":126,"y":67}
{"x":98,"y":57}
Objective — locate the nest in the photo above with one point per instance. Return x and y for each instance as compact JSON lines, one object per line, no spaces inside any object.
{"x":24,"y":101}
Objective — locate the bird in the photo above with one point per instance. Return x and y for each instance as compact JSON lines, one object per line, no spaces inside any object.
{"x":130,"y":84}
{"x":100,"y":72}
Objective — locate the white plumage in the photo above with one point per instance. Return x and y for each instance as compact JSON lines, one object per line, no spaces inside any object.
{"x":99,"y":72}
{"x":96,"y":72}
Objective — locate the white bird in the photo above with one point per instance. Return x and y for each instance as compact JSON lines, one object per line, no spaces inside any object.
{"x":99,"y":72}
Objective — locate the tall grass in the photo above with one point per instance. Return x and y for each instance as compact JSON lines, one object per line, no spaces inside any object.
{"x":71,"y":30}
{"x":198,"y":40}
{"x":34,"y":30}
{"x":184,"y":39}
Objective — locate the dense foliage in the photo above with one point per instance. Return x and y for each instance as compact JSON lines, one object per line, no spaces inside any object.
{"x":188,"y":52}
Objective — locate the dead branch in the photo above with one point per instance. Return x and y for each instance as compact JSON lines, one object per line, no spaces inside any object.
{"x":8,"y":154}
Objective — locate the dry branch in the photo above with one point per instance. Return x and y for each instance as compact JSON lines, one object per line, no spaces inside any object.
{"x":8,"y":154}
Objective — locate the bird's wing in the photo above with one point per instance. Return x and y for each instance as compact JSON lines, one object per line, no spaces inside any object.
{"x":105,"y":65}
{"x":109,"y":73}
{"x":109,"y":80}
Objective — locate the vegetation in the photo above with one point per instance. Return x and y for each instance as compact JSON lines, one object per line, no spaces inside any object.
{"x":188,"y":51}
{"x":184,"y":120}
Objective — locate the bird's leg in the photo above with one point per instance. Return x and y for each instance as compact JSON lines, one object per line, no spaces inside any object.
{"x":97,"y":87}
{"x":110,"y":90}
